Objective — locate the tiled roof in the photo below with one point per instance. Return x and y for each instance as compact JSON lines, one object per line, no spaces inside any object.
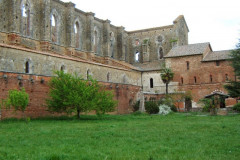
{"x":187,"y":50}
{"x":217,"y":55}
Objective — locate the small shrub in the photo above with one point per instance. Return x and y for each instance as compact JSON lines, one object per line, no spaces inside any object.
{"x":236,"y":107}
{"x":164,"y":109}
{"x":151,"y":107}
{"x":173,"y":108}
{"x":207,"y":104}
{"x":169,"y":102}
{"x":136,"y":106}
{"x":137,"y":113}
{"x":18,"y":99}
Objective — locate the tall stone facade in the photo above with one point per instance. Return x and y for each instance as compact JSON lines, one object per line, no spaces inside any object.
{"x":38,"y":37}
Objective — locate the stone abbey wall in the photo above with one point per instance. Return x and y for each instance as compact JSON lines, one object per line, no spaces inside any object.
{"x":38,"y":37}
{"x":59,"y":27}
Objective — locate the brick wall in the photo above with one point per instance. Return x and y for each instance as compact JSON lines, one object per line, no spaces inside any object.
{"x":37,"y":88}
{"x":203,"y":85}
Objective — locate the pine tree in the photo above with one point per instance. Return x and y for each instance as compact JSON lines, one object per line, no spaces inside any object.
{"x":234,"y":86}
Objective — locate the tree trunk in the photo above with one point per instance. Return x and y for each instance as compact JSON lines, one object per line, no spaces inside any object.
{"x":78,"y":114}
{"x":166,"y":88}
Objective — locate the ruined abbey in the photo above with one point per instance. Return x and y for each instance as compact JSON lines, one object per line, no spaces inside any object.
{"x":38,"y":37}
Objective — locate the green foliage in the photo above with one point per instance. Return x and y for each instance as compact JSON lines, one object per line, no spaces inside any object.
{"x":151,"y":107}
{"x":173,"y":40}
{"x":236,"y":107}
{"x":136,"y":106}
{"x":234,"y":86}
{"x":188,"y":95}
{"x":104,"y":102}
{"x":168,"y":100}
{"x":71,"y":94}
{"x":17,"y":99}
{"x":207,"y":104}
{"x":166,"y":76}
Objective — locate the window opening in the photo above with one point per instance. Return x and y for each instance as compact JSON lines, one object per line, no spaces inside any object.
{"x":151,"y":83}
{"x":187,"y":65}
{"x":160,"y":53}
{"x":226,"y":77}
{"x":137,"y":56}
{"x":195,"y":79}
{"x":181,"y":80}
{"x":27,"y":67}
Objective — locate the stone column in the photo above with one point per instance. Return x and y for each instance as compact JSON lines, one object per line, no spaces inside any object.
{"x":120,"y":43}
{"x":142,"y":103}
{"x":14,"y":16}
{"x":90,"y":31}
{"x":106,"y":38}
{"x":46,"y":17}
{"x":70,"y":40}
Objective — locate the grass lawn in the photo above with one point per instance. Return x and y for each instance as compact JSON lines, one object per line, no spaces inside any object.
{"x":143,"y":137}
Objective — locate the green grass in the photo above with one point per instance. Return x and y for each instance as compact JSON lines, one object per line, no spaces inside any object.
{"x":139,"y":137}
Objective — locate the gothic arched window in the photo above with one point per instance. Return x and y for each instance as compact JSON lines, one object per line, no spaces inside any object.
{"x":137,"y":55}
{"x":95,"y":41}
{"x":54,"y":27}
{"x":160,"y":53}
{"x":25,"y":18}
{"x":27,"y":67}
{"x":77,"y":34}
{"x":112,"y":39}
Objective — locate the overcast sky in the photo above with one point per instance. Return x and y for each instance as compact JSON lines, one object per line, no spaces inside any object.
{"x":214,"y":21}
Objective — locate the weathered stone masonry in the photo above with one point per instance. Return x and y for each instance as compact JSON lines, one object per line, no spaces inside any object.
{"x":38,"y":37}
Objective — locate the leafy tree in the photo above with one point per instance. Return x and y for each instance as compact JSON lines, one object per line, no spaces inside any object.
{"x":234,"y":86}
{"x":166,"y":76}
{"x":17,"y":99}
{"x":70,"y":93}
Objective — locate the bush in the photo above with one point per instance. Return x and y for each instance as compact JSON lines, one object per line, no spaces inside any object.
{"x":151,"y":107}
{"x":207,"y":104}
{"x":18,"y":99}
{"x":168,"y":101}
{"x":236,"y":107}
{"x":136,"y":106}
{"x":173,"y":108}
{"x":164,"y":109}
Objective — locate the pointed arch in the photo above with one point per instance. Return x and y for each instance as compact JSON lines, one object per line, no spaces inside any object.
{"x":160,"y":53}
{"x":78,"y":33}
{"x":54,"y":26}
{"x":63,"y":68}
{"x":112,"y":41}
{"x":25,"y":18}
{"x":28,"y":66}
{"x":95,"y":40}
